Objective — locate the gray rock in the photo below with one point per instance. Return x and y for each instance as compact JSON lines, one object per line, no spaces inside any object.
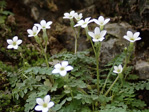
{"x":111,"y":48}
{"x":118,"y":29}
{"x":114,"y":46}
{"x":143,"y":68}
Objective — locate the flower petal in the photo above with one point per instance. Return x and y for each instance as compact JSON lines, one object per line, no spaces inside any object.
{"x":95,"y":40}
{"x":15,"y":38}
{"x":30,"y":35}
{"x":77,"y":25}
{"x":126,"y":37}
{"x":97,"y":30}
{"x":68,"y":68}
{"x":87,"y":19}
{"x":9,"y":41}
{"x":9,"y":46}
{"x":120,"y":67}
{"x":49,"y":23}
{"x":136,"y":35}
{"x":38,"y":25}
{"x":84,"y":25}
{"x":103,"y":33}
{"x":101,"y":19}
{"x":64,"y":63}
{"x":47,"y":99}
{"x":38,"y":108}
{"x":106,"y":21}
{"x":34,"y":28}
{"x":129,"y":34}
{"x":66,"y":16}
{"x":101,"y":39}
{"x":57,"y":66}
{"x":51,"y":104}
{"x":91,"y":34}
{"x":115,"y":71}
{"x":39,"y":101}
{"x":115,"y":68}
{"x":139,"y":38}
{"x":45,"y":110}
{"x":55,"y":71}
{"x":15,"y":47}
{"x":30,"y":31}
{"x":72,"y":12}
{"x":19,"y":42}
{"x":63,"y":73}
{"x":43,"y":23}
{"x":96,"y":21}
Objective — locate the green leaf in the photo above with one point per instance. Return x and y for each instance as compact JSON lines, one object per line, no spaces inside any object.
{"x":54,"y":88}
{"x":47,"y":83}
{"x":103,"y":99}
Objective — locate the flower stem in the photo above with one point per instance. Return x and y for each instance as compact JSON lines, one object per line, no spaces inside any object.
{"x":86,"y":30}
{"x":76,"y":46}
{"x":107,"y":80}
{"x":129,"y":52}
{"x":21,"y":54}
{"x":97,"y":63}
{"x":45,"y":55}
{"x":43,"y":52}
{"x":112,"y":85}
{"x":45,"y":36}
{"x":75,"y":36}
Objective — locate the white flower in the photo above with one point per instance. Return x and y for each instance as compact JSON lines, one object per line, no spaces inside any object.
{"x":101,"y":21}
{"x":97,"y":35}
{"x":83,"y":23}
{"x":78,"y":16}
{"x":118,"y":69}
{"x":44,"y":25}
{"x":14,"y":42}
{"x":44,"y":105}
{"x":62,"y":68}
{"x":69,"y":15}
{"x":34,"y":32}
{"x":132,"y":37}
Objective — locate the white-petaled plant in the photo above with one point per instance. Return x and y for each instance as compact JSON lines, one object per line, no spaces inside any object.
{"x":69,"y":15}
{"x":132,"y":37}
{"x":62,"y":68}
{"x":78,"y":16}
{"x":44,"y":25}
{"x":34,"y":31}
{"x":44,"y":104}
{"x":14,"y":43}
{"x":84,"y":23}
{"x":101,"y":21}
{"x":118,"y":70}
{"x":97,"y":35}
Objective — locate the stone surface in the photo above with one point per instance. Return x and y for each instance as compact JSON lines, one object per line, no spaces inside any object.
{"x":118,"y":29}
{"x":116,"y":45}
{"x":143,"y":69}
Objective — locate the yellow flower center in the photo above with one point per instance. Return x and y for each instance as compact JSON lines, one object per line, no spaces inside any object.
{"x":131,"y":38}
{"x":34,"y":33}
{"x":118,"y":70}
{"x":44,"y":105}
{"x":14,"y":43}
{"x":62,"y":68}
{"x":97,"y":36}
{"x":84,"y":23}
